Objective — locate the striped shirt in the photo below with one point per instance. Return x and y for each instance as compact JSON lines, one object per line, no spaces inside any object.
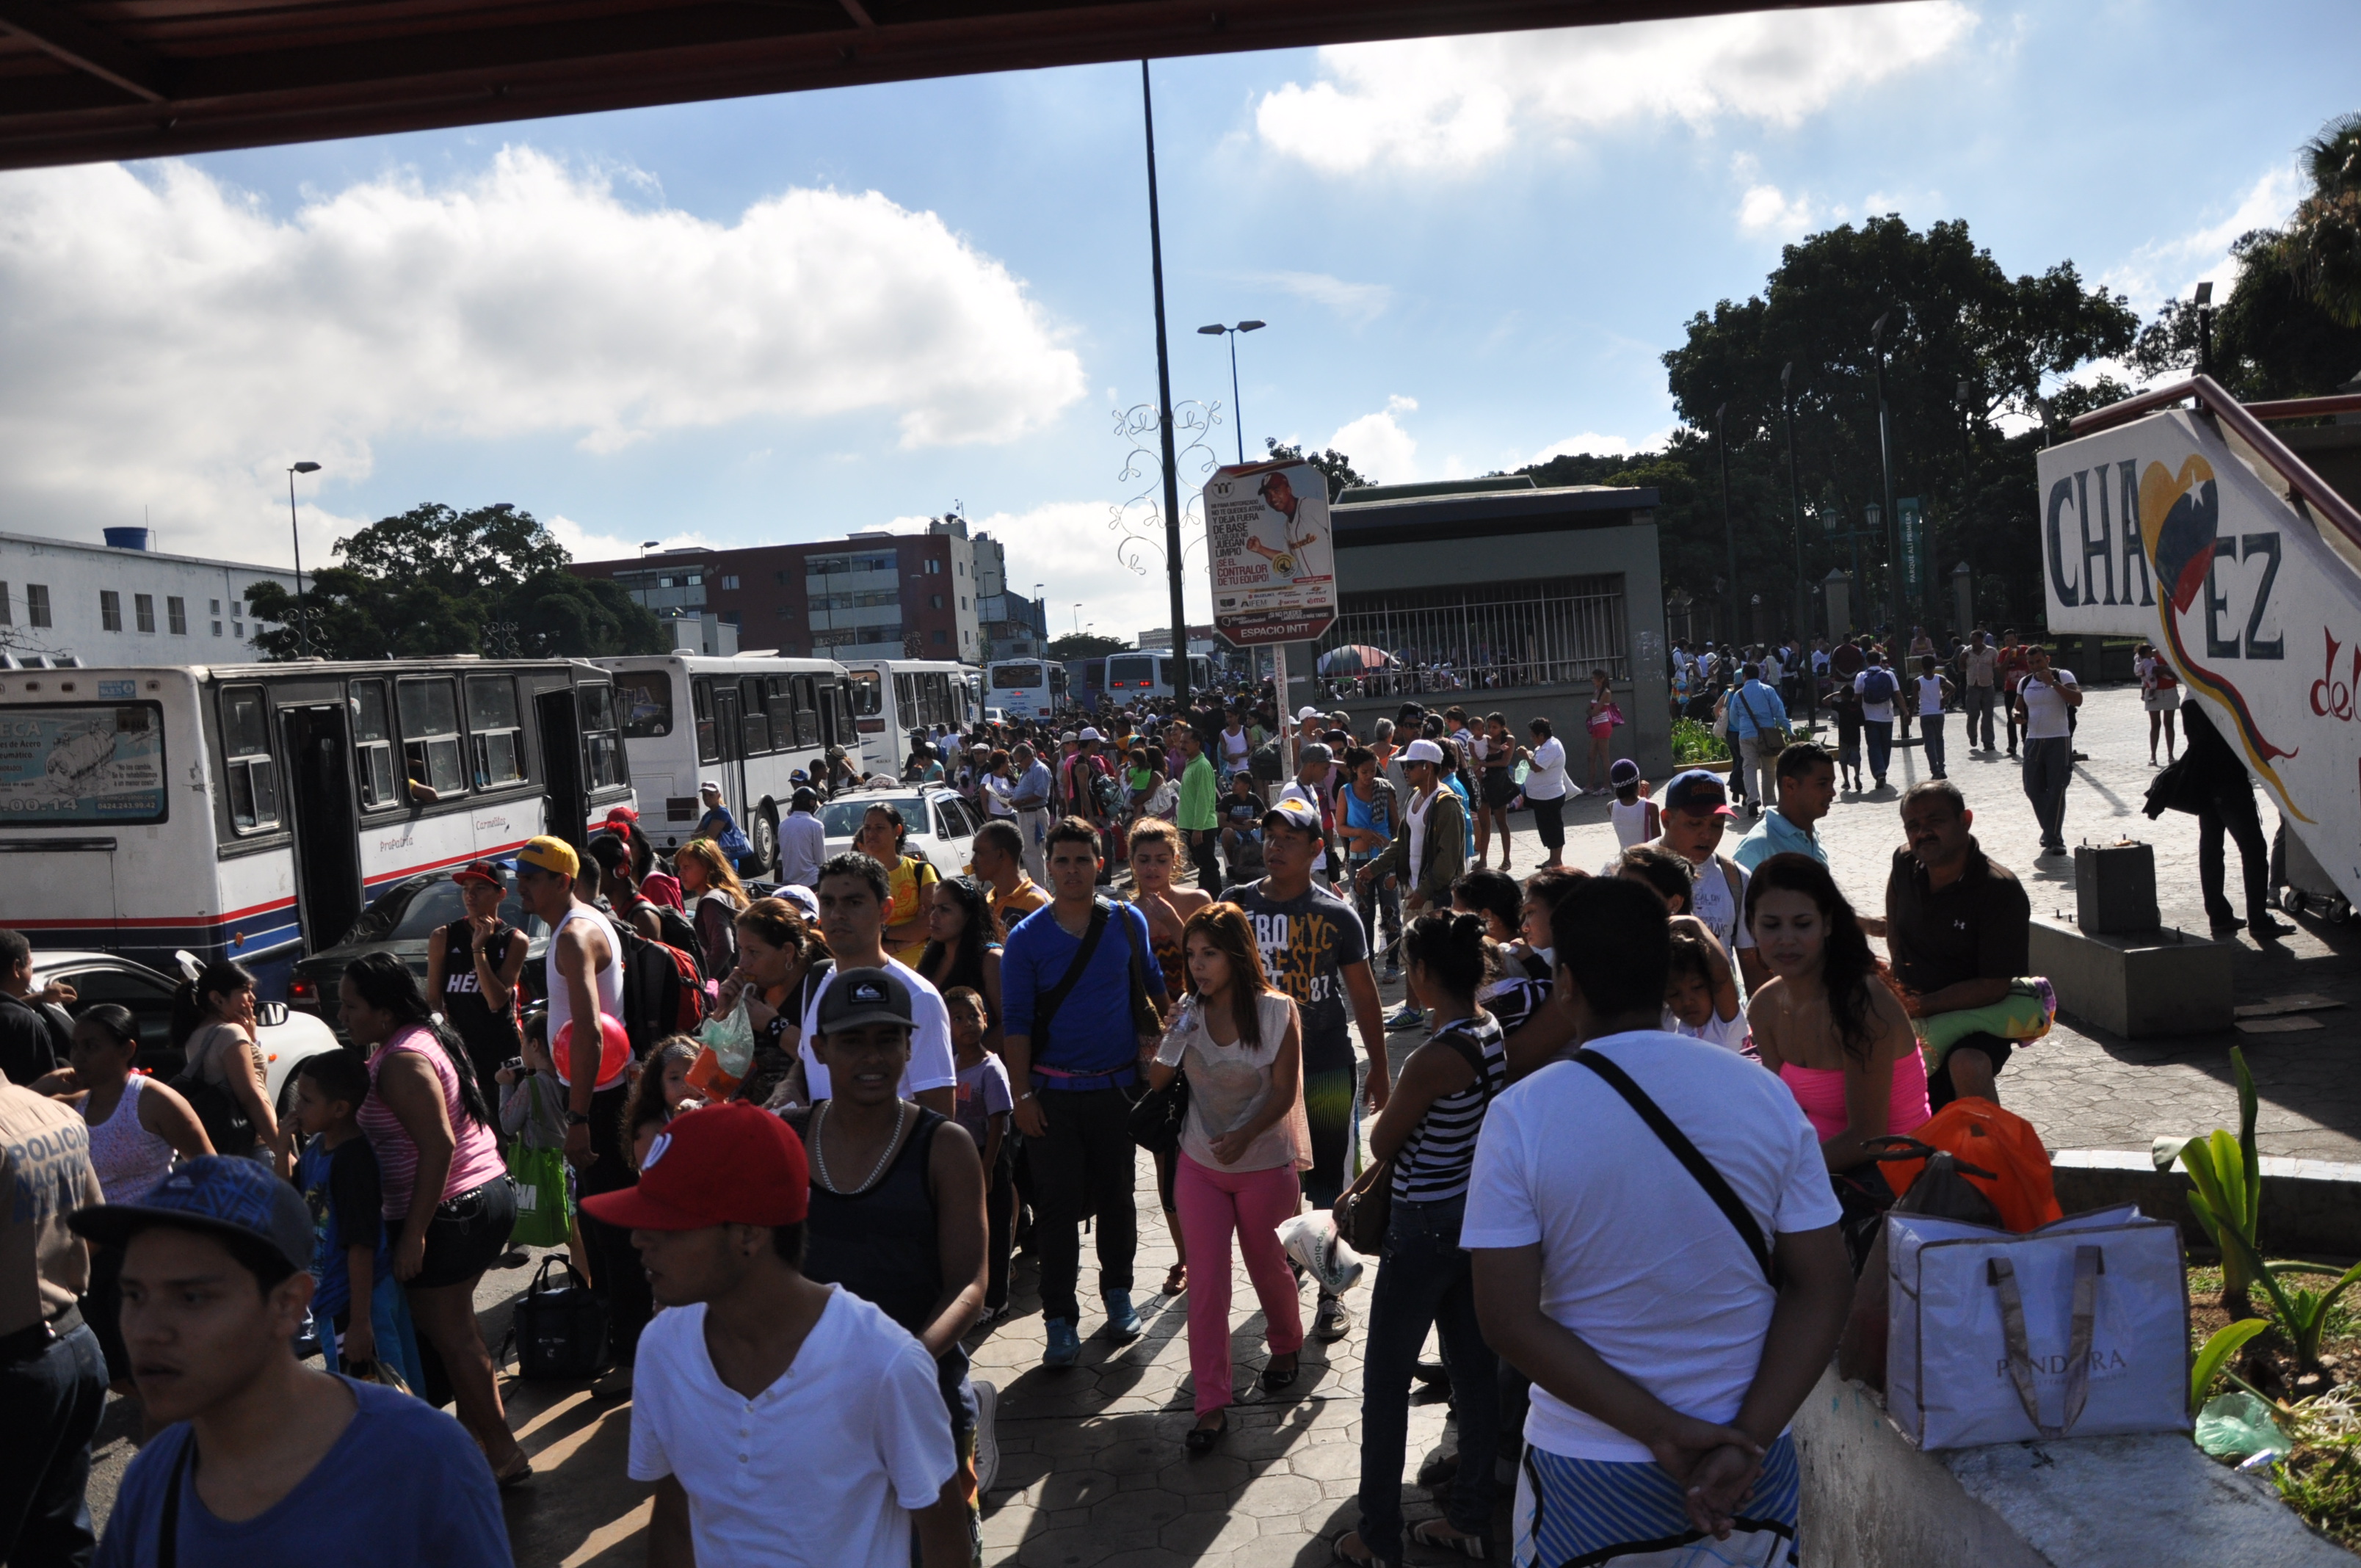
{"x":1434,"y":1161}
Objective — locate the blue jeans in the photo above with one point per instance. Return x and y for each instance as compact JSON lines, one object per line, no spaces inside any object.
{"x":1878,"y":733}
{"x":1424,"y":1280}
{"x":1930,"y":727}
{"x":2049,"y":766}
{"x":53,"y":1401}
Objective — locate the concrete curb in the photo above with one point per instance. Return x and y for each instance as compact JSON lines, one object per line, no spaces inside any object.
{"x":2310,"y":1206}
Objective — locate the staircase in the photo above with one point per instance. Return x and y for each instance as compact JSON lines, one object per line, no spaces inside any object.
{"x":2200,"y":530}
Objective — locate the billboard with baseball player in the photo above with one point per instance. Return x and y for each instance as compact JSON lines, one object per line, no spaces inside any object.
{"x":1273,"y":563}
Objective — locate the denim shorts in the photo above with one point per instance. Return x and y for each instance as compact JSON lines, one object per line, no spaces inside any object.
{"x":465,"y":1235}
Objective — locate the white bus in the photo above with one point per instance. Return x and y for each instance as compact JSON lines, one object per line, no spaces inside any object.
{"x":1026,"y":688}
{"x":751,"y":722}
{"x":1132,"y":676}
{"x":894,"y":699}
{"x":252,"y":811}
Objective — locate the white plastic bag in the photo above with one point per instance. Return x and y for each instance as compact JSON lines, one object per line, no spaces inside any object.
{"x":2079,"y":1329}
{"x":726,"y":1051}
{"x":1311,"y":1239}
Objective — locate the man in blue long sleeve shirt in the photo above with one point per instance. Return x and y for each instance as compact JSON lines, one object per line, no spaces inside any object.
{"x":1758,"y":719}
{"x":1073,"y":1057}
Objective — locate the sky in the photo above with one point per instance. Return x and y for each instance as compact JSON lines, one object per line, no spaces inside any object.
{"x":782,"y":319}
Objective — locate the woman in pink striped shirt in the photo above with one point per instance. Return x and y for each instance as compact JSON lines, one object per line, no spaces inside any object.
{"x":447,"y":1200}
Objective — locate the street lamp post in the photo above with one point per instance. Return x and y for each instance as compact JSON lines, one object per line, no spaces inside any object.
{"x":1795,"y":511}
{"x":1885,"y":463}
{"x":302,"y":638}
{"x":1728,"y":529}
{"x":1164,"y":414}
{"x":2205,"y":327}
{"x":1238,"y":417}
{"x":646,"y":545}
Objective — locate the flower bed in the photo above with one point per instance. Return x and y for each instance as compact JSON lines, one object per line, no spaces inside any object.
{"x":2320,"y":1411}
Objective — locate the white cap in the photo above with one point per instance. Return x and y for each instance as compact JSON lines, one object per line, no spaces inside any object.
{"x":1422,"y":751}
{"x":1091,"y":734}
{"x":1309,"y":712}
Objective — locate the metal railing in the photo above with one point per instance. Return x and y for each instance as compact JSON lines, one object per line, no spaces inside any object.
{"x":1484,"y":636}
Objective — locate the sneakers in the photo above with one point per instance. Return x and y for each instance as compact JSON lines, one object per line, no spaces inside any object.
{"x":987,"y":1441}
{"x":1333,"y":1319}
{"x":1392,"y":972}
{"x":1123,"y":1321}
{"x":1065,"y":1346}
{"x":1405,"y":1018}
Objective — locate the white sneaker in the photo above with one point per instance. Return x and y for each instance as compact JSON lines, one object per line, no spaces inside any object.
{"x":1333,"y":1319}
{"x":987,"y":1442}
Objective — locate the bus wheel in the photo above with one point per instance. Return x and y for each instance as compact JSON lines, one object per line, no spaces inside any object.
{"x":767,"y":839}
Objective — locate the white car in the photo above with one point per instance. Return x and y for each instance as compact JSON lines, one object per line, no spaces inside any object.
{"x":942,"y":826}
{"x":286,"y":1037}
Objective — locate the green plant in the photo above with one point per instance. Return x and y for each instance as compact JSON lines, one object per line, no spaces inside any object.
{"x":2218,"y":1350}
{"x":2303,"y":1313}
{"x":2229,"y":1195}
{"x":1694,"y":742}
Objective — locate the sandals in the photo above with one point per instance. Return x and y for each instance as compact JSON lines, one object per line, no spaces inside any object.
{"x":1427,"y":1532}
{"x":1200,"y":1440}
{"x":1275,"y":1377}
{"x":520,"y":1471}
{"x":1366,"y":1558}
{"x":1176,"y":1279}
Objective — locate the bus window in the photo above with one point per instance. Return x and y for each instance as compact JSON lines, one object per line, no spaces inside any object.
{"x":493,"y":731}
{"x":1014,"y":678}
{"x":806,"y":689}
{"x":868,"y":694}
{"x":245,"y":755}
{"x":430,"y":735}
{"x":701,"y":696}
{"x":905,"y":702}
{"x":602,"y":747}
{"x":372,"y":743}
{"x":753,"y":722}
{"x":646,"y":700}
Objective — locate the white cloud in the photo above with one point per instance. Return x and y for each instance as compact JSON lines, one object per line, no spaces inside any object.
{"x":584,"y":546}
{"x":1072,"y":546}
{"x":2168,"y":269}
{"x":169,"y":340}
{"x":1360,"y":304}
{"x":1455,"y":103}
{"x":1764,"y":209}
{"x":1378,"y":445}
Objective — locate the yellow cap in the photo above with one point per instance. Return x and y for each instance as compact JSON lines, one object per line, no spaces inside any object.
{"x":548,"y":854}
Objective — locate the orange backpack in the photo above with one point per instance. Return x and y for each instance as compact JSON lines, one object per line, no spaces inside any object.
{"x":1980,"y":1134}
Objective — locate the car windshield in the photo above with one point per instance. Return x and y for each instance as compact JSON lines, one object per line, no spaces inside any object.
{"x":842,"y":818}
{"x":412,"y":911}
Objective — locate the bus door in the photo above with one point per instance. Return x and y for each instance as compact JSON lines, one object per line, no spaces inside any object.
{"x":328,"y":888}
{"x":835,"y":724}
{"x":730,"y":742}
{"x":567,"y":800}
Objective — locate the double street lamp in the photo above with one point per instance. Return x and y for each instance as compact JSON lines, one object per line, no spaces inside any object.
{"x":1237,"y":415}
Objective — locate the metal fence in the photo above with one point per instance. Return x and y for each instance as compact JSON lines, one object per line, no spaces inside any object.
{"x":1473,"y":636}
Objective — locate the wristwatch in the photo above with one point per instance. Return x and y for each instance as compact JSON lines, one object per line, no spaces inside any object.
{"x":577,"y":1118}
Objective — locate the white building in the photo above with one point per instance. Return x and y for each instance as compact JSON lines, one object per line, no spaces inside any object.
{"x":122,"y":603}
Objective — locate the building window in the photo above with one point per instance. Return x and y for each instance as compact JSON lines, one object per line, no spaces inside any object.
{"x":246,"y":756}
{"x":730,"y":581}
{"x":213,"y":606}
{"x":942,"y":637}
{"x":934,"y":567}
{"x":109,"y":610}
{"x":780,"y":578}
{"x":176,"y":616}
{"x":1539,"y":631}
{"x":238,"y":629}
{"x":934,"y":601}
{"x":143,"y":612}
{"x":962,"y":601}
{"x":217,"y":629}
{"x":785,"y":612}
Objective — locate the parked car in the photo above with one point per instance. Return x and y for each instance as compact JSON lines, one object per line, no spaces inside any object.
{"x":402,"y":920}
{"x":286,"y":1037}
{"x":942,"y":826}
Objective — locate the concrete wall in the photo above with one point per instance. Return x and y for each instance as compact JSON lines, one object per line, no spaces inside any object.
{"x":2311,"y":1207}
{"x":1871,"y":1500}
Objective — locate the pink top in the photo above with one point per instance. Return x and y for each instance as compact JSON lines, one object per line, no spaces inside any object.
{"x":474,"y":1160}
{"x":1820,"y":1090}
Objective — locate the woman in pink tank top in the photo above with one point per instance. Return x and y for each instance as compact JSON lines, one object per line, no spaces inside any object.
{"x":1830,"y":1025}
{"x":448,"y":1204}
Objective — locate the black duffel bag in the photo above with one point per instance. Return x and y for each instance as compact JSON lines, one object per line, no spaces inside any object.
{"x":1157,"y":1115}
{"x":561,"y":1331}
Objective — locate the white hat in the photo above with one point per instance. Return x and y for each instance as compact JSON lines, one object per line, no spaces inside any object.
{"x":1091,"y":734}
{"x":1309,"y":712}
{"x":1422,"y":751}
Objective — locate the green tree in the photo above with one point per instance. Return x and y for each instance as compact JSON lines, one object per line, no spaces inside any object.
{"x":560,"y":615}
{"x":489,"y":549}
{"x":1084,"y":645}
{"x":1342,"y":475}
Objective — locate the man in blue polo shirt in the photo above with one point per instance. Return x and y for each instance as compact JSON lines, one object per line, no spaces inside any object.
{"x":1807,"y":786}
{"x":1758,"y":720}
{"x":1067,"y":986}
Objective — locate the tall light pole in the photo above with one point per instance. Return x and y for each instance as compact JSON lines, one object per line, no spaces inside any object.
{"x":302,"y":638}
{"x":2205,"y":327}
{"x":1728,"y":529}
{"x":1236,"y":417}
{"x":1077,"y":617}
{"x":646,"y":545}
{"x":1885,"y":462}
{"x":1164,"y":416}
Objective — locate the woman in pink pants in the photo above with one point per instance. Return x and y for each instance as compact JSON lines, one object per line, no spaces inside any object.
{"x":1245,"y":1138}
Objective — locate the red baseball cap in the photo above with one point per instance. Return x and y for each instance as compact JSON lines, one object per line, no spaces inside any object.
{"x":619,"y":814}
{"x":723,"y":1165}
{"x":485,"y":872}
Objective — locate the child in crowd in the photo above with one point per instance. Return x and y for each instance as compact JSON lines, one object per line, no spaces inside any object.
{"x":336,"y":1173}
{"x":1636,"y":819}
{"x":661,"y":1091}
{"x":1242,"y":829}
{"x":981,"y":1104}
{"x":1846,"y":702}
{"x":532,"y":1112}
{"x":1700,"y":997}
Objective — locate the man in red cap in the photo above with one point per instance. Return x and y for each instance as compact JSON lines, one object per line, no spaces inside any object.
{"x":784,"y":1422}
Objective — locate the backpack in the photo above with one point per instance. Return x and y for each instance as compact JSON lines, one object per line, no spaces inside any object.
{"x":1262,"y":763}
{"x":663,"y":993}
{"x":1878,"y":685}
{"x":680,"y":931}
{"x":1106,"y":796}
{"x":1980,"y":1136}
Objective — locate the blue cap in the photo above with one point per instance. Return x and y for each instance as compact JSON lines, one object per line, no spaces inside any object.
{"x":212,"y":1192}
{"x":1697,"y":790}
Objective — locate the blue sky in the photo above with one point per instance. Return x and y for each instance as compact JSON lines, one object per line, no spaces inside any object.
{"x":782,"y":318}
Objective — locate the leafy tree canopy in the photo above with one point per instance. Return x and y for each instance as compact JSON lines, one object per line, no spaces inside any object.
{"x":437,"y":581}
{"x":1084,"y":645}
{"x":1342,"y":476}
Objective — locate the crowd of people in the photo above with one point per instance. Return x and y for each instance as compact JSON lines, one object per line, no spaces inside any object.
{"x":1170,"y":945}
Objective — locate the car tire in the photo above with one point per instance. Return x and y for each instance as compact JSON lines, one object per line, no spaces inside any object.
{"x":767,"y":840}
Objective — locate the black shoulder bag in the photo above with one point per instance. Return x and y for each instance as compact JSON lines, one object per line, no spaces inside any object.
{"x":1693,"y":1162}
{"x":1368,"y":1203}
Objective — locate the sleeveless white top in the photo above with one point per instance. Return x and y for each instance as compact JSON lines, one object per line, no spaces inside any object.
{"x":128,"y":1159}
{"x":609,"y":978}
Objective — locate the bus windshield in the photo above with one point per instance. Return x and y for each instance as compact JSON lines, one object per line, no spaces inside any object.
{"x":646,"y":696}
{"x":868,"y":698}
{"x":1014,"y":678}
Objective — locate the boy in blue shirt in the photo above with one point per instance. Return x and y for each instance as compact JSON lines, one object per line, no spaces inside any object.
{"x":337,"y":1175}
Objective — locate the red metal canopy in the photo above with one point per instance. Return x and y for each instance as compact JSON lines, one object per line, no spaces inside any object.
{"x":87,"y":80}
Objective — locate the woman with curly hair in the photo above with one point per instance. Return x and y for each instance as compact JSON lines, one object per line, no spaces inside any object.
{"x":715,"y":897}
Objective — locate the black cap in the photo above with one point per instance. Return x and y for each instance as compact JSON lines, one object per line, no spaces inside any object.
{"x":860,"y":996}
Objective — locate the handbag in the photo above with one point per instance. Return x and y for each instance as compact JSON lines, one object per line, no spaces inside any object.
{"x":227,"y":1126}
{"x":1367,"y":1208}
{"x":2079,"y":1329}
{"x":560,"y":1331}
{"x":544,"y":1209}
{"x":1156,"y":1117}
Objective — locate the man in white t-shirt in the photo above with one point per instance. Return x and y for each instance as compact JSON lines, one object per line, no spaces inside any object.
{"x":1546,"y":791}
{"x":783,"y":1421}
{"x":852,"y":893}
{"x":1666,"y":1363}
{"x":2044,"y":703}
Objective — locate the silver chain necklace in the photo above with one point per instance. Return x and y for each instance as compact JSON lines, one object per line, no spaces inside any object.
{"x":820,"y":1155}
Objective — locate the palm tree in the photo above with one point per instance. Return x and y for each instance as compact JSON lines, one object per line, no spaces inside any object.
{"x":2322,"y":245}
